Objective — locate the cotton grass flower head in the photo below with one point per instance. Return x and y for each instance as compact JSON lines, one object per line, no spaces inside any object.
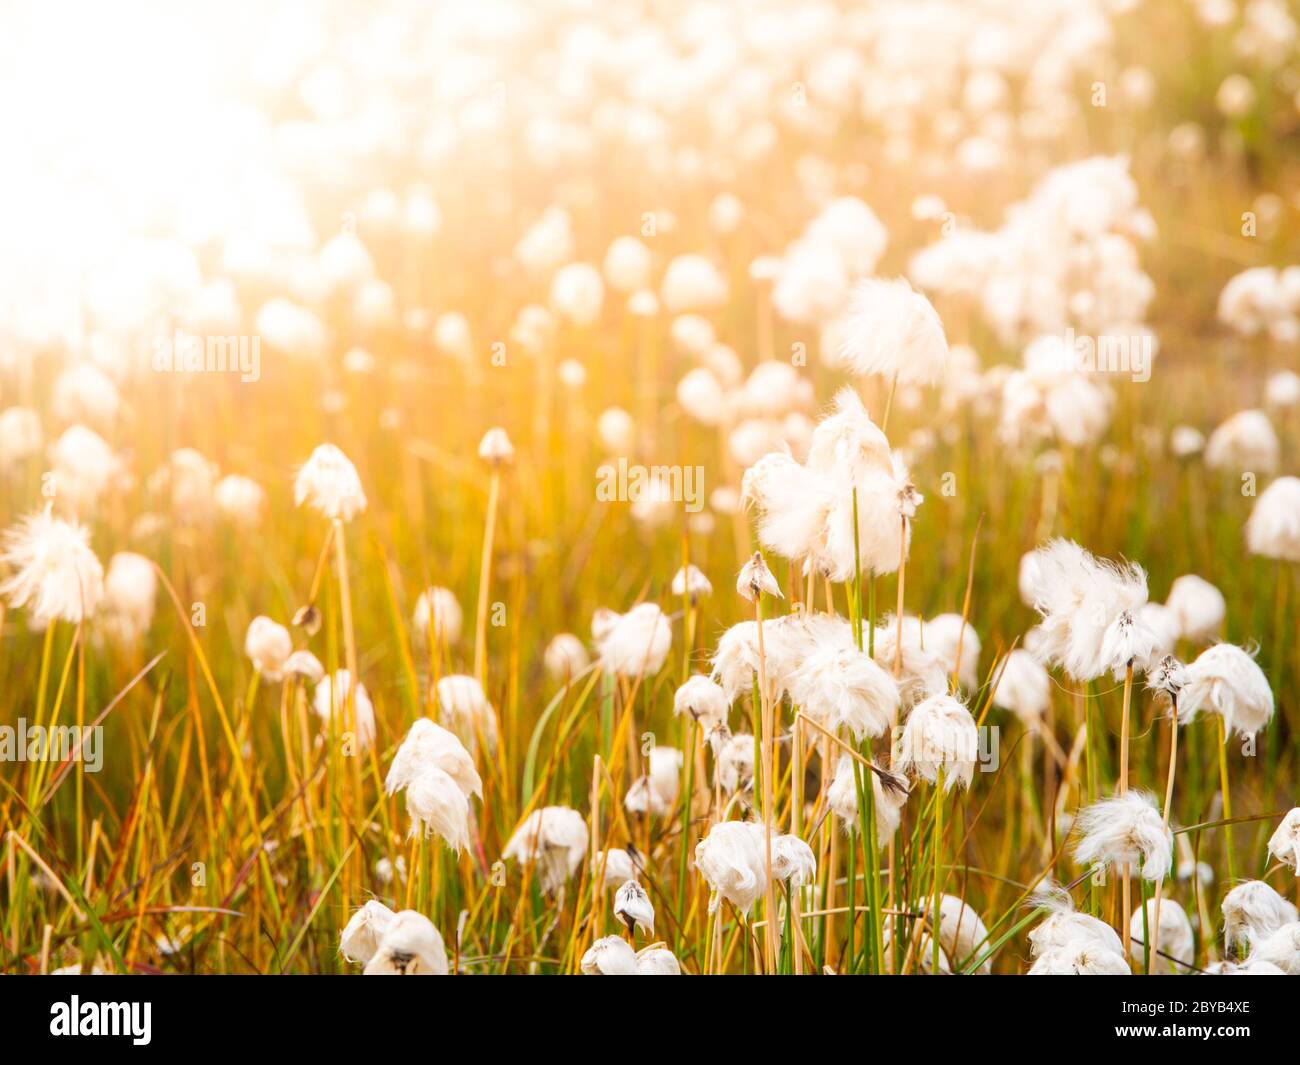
{"x":430,"y":746}
{"x":439,"y":807}
{"x":1253,"y":911}
{"x":1198,"y":606}
{"x":691,"y":583}
{"x":756,"y":579}
{"x":410,"y":946}
{"x":304,"y":664}
{"x":610,"y":956}
{"x":1167,"y":677}
{"x":636,"y":643}
{"x":328,"y":482}
{"x":1064,"y":925}
{"x":1175,"y":938}
{"x":792,"y":860}
{"x":939,"y":736}
{"x":619,"y":866}
{"x":365,"y":929}
{"x":1281,"y":948}
{"x":692,"y":283}
{"x":1125,"y":830}
{"x":632,"y":906}
{"x":21,"y":436}
{"x":577,"y":293}
{"x":55,"y":574}
{"x":565,"y":657}
{"x":962,"y":932}
{"x":923,"y":673}
{"x":130,"y":592}
{"x":84,"y":467}
{"x":495,"y":448}
{"x":842,"y":796}
{"x":1023,"y":686}
{"x":703,"y":699}
{"x":438,"y":611}
{"x":1226,"y":680}
{"x":892,"y":330}
{"x":657,"y":961}
{"x":330,"y":704}
{"x":1273,"y":529}
{"x":949,"y":636}
{"x":1244,"y":443}
{"x":465,"y":707}
{"x":1090,"y":611}
{"x":240,"y":500}
{"x":842,"y":687}
{"x":731,"y":858}
{"x":555,"y":837}
{"x":1284,"y":844}
{"x":1080,"y":957}
{"x":268,"y":646}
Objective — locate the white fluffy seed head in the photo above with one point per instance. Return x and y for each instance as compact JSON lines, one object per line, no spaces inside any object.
{"x":843,"y":687}
{"x":495,"y":448}
{"x":55,"y":574}
{"x":703,"y":699}
{"x":1125,"y":830}
{"x":268,"y":645}
{"x":328,"y":482}
{"x":410,"y":946}
{"x":465,"y":707}
{"x":893,"y":330}
{"x":1244,"y":443}
{"x":438,"y":807}
{"x":1226,"y":680}
{"x":1273,"y":529}
{"x":1198,"y":606}
{"x":1023,"y":686}
{"x":1176,"y":938}
{"x":437,"y":611}
{"x":632,"y":906}
{"x":939,"y":735}
{"x":633,"y":644}
{"x":330,"y":704}
{"x":555,"y":837}
{"x":565,"y":657}
{"x":1253,"y":911}
{"x":1284,"y":844}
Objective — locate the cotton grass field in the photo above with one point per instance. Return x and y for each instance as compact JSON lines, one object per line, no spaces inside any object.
{"x":692,"y":488}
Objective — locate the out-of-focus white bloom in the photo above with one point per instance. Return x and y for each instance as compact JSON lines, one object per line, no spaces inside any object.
{"x":1283,"y":389}
{"x":330,"y":704}
{"x":1235,"y":97}
{"x":565,"y":657}
{"x":733,"y":758}
{"x":844,"y":687}
{"x":893,"y":330}
{"x":577,"y":293}
{"x":20,"y":436}
{"x":365,"y":929}
{"x":1186,"y":441}
{"x":947,"y":635}
{"x":1125,"y":830}
{"x":702,"y":396}
{"x":547,"y":243}
{"x":756,"y":579}
{"x":410,"y":946}
{"x":555,"y":837}
{"x":636,"y":643}
{"x":657,"y":961}
{"x":286,"y":326}
{"x":939,"y":734}
{"x":1198,"y":606}
{"x":692,"y":283}
{"x":83,"y":466}
{"x":690,"y":582}
{"x":1253,"y":911}
{"x":632,"y":906}
{"x":1227,"y":681}
{"x":1273,"y":529}
{"x":1175,"y":939}
{"x":617,"y":430}
{"x":627,"y":264}
{"x":84,"y":393}
{"x":438,"y":610}
{"x":268,"y":645}
{"x":1244,"y":443}
{"x":1023,"y":686}
{"x":304,"y":664}
{"x":495,"y":448}
{"x":328,"y":482}
{"x":56,"y":575}
{"x":130,"y":590}
{"x":240,"y":500}
{"x":465,"y":707}
{"x":1284,"y":844}
{"x":619,"y":867}
{"x":452,"y":336}
{"x":962,"y":932}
